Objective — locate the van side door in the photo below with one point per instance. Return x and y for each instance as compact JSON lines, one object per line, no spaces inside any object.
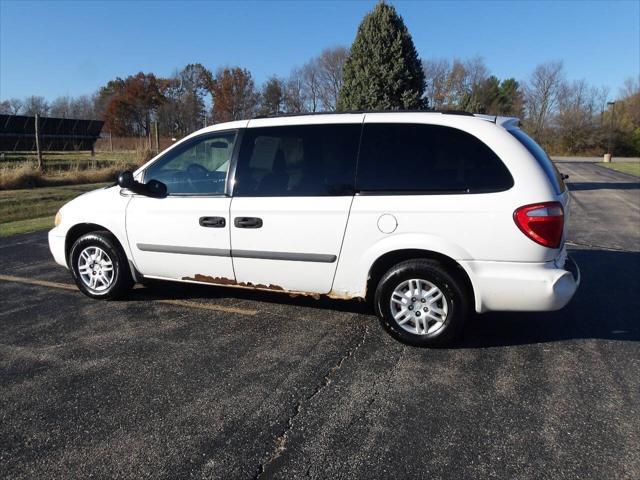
{"x":185,"y":236}
{"x":292,"y":193}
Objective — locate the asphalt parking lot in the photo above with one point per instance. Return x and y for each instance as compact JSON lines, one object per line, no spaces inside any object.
{"x":184,"y":382}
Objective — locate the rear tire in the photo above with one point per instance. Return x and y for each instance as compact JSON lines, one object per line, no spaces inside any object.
{"x":420,"y":303}
{"x":100,"y":267}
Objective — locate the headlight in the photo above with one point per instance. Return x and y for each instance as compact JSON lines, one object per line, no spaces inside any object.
{"x":58,"y":219}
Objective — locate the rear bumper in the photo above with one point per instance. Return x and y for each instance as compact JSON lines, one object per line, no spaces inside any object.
{"x":56,"y":245}
{"x":507,"y":286}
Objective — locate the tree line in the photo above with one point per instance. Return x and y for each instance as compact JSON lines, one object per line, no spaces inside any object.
{"x":381,"y":71}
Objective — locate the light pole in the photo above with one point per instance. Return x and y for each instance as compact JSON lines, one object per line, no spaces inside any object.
{"x":609,"y":146}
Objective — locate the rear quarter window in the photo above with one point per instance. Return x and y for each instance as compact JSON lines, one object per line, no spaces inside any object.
{"x":419,"y":159}
{"x":554,"y":176}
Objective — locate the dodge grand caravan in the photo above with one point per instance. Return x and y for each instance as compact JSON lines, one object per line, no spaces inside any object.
{"x":427,"y":215}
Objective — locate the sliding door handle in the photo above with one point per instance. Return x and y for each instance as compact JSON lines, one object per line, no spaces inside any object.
{"x":213,"y":222}
{"x":247,"y":222}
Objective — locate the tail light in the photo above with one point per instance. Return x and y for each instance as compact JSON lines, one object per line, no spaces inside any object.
{"x":541,"y":222}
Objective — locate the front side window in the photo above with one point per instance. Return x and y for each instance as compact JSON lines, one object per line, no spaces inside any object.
{"x":197,"y":167}
{"x":427,"y":158}
{"x":305,"y":160}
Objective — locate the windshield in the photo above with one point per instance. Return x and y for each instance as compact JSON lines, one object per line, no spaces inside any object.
{"x":555,"y":177}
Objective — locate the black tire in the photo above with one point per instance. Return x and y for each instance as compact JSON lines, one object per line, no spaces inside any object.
{"x":121,"y":282}
{"x":434,"y":272}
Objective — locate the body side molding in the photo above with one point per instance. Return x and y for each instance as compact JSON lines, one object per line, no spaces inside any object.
{"x":257,"y":254}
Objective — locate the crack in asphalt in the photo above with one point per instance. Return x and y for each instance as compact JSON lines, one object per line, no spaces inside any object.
{"x":282,"y":439}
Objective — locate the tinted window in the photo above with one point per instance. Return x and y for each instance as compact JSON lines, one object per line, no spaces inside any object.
{"x":427,"y":158}
{"x":308,"y":160}
{"x":198,"y":166}
{"x":542,"y":158}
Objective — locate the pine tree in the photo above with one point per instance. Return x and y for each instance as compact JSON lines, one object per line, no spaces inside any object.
{"x":382,"y":71}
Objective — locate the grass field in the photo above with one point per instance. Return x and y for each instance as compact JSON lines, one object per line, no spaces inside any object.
{"x":66,"y":160}
{"x":632,"y":168}
{"x":28,"y":210}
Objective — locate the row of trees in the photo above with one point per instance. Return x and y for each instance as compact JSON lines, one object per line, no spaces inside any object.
{"x":381,"y":71}
{"x":568,"y":117}
{"x":194,"y":97}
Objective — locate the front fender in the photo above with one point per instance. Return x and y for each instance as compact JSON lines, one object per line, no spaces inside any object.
{"x":104,"y":207}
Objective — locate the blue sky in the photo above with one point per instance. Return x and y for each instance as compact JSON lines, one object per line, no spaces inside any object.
{"x":56,"y":48}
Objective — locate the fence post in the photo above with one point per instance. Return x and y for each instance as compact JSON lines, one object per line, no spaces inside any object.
{"x":38,"y":150}
{"x":157,"y":138}
{"x":110,"y":142}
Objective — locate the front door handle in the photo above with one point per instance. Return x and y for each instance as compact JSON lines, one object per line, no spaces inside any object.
{"x":213,"y":222}
{"x":247,"y":222}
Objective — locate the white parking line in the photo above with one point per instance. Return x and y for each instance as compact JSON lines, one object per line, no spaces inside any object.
{"x":180,"y":303}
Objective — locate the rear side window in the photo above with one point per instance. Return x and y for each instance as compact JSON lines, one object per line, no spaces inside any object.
{"x":427,"y":158}
{"x":542,"y":158}
{"x":304,"y":160}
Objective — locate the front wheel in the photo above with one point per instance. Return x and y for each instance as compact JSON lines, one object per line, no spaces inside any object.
{"x":420,"y":303}
{"x":99,"y":266}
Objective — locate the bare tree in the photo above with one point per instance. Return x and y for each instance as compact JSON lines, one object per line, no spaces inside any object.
{"x":35,"y":104}
{"x":69,"y":107}
{"x":295,"y":100}
{"x":61,"y":107}
{"x":16,"y":105}
{"x":436,"y":72}
{"x":311,"y":84}
{"x":631,"y":87}
{"x":13,"y":106}
{"x":575,"y":122}
{"x":541,"y":96}
{"x":82,"y":107}
{"x":476,"y":74}
{"x":317,"y":84}
{"x":330,"y":65}
{"x":5,"y":108}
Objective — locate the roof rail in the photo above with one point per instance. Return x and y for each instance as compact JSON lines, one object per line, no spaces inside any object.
{"x":301,"y":114}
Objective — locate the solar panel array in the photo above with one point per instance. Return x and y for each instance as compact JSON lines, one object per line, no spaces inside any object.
{"x":18,"y":134}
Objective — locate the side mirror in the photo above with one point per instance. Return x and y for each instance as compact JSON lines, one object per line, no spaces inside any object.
{"x":126,"y":180}
{"x":153,"y":188}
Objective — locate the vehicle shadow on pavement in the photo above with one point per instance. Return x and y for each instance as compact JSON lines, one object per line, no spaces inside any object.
{"x":606,"y":306}
{"x":580,"y":186}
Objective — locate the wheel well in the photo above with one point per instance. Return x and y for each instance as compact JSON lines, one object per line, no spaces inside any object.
{"x":80,"y":229}
{"x":389,"y":259}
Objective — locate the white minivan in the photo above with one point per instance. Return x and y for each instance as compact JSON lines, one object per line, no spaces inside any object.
{"x":427,"y":215}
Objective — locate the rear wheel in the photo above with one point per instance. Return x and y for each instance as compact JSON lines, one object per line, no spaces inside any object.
{"x":99,"y":266}
{"x":421,"y":303}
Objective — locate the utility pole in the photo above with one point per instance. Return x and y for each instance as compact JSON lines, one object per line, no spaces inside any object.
{"x":613,"y":112}
{"x":38,"y":149}
{"x":609,"y":155}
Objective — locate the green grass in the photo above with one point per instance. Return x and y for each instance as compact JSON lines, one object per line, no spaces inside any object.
{"x":632,"y":168}
{"x":25,"y":226}
{"x":29,"y":210}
